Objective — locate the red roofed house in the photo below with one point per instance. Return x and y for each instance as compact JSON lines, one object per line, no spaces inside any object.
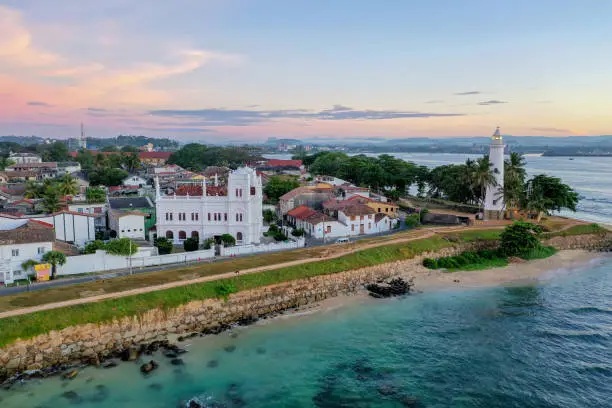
{"x":277,"y":166}
{"x":316,"y":224}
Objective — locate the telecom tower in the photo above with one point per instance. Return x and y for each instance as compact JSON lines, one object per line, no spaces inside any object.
{"x":82,"y":143}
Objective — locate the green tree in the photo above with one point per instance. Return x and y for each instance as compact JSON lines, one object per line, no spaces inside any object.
{"x":67,"y":185}
{"x":5,"y":162}
{"x":51,"y":200}
{"x":93,"y":246}
{"x":278,"y":186}
{"x":545,"y":194}
{"x":269,"y":216}
{"x":228,"y":240}
{"x":129,"y":149}
{"x":107,"y":177}
{"x":95,"y":195}
{"x":163,"y":245}
{"x":131,"y":161}
{"x":196,"y":157}
{"x":86,"y":160}
{"x":27,"y":266}
{"x":483,"y":177}
{"x":121,"y":246}
{"x":518,"y":238}
{"x":514,"y":180}
{"x":100,"y":160}
{"x":55,"y":152}
{"x":191,"y":244}
{"x":109,"y":148}
{"x":54,"y":258}
{"x":33,"y":190}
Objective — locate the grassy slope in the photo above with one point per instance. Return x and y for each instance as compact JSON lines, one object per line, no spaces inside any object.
{"x":30,"y":325}
{"x":582,"y":229}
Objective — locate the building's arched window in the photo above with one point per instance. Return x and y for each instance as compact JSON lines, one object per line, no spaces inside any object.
{"x":195,"y":234}
{"x":169,"y":235}
{"x":182,"y":235}
{"x":239,"y":236}
{"x":252,"y":190}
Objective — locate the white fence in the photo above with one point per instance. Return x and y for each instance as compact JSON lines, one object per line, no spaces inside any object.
{"x":252,"y":249}
{"x":102,"y":261}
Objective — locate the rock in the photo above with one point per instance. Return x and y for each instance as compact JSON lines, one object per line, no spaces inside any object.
{"x":234,"y":335}
{"x":170,"y":354}
{"x":212,"y":364}
{"x":260,"y":350}
{"x":156,"y":387}
{"x":230,"y":349}
{"x":101,"y":394}
{"x":130,"y":354}
{"x":148,"y":367}
{"x":73,"y":397}
{"x":387,"y":389}
{"x":409,"y":401}
{"x":109,"y":364}
{"x":177,"y":361}
{"x":395,"y":287}
{"x":70,"y":374}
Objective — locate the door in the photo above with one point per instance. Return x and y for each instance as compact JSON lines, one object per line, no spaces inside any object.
{"x":361,"y":229}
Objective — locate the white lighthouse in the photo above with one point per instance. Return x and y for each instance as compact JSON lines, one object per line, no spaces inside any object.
{"x":494,"y":201}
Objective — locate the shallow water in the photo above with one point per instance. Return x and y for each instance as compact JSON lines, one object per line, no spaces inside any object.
{"x":546,"y":345}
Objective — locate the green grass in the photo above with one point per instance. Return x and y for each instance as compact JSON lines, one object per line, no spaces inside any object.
{"x":488,"y":264}
{"x":478,"y":235}
{"x":539,"y":253}
{"x":30,"y":325}
{"x":582,"y":229}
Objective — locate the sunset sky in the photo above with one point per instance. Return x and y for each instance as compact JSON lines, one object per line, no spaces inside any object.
{"x":218,"y":70}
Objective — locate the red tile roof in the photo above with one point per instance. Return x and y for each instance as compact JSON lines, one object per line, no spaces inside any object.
{"x":357,"y":210}
{"x":284,"y":163}
{"x":339,"y":204}
{"x":154,"y":155}
{"x":301,"y":211}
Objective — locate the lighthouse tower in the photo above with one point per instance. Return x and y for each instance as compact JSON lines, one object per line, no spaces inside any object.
{"x":494,"y":201}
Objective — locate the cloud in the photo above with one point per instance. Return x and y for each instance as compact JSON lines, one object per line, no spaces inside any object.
{"x":243,"y":117}
{"x":492,"y":102}
{"x":468,"y":93}
{"x":551,"y":129}
{"x":96,"y":110}
{"x":42,"y":104}
{"x":435,"y":101}
{"x":174,"y":129}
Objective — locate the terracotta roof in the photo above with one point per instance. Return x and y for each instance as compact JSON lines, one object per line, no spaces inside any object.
{"x":339,"y":204}
{"x":358,"y":209}
{"x":154,"y":155}
{"x":284,"y":163}
{"x":362,"y":199}
{"x":46,"y":224}
{"x":301,"y":212}
{"x":318,"y":218}
{"x":304,"y":190}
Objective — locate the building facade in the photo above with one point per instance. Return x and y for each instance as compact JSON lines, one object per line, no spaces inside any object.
{"x":23,"y":158}
{"x":201,"y":211}
{"x":494,"y":201}
{"x":127,"y":224}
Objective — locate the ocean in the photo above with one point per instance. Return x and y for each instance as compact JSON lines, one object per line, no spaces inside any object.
{"x":542,"y":345}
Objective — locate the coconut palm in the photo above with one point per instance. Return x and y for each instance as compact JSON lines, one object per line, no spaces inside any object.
{"x":54,"y":258}
{"x":33,"y":190}
{"x":51,"y":200}
{"x":67,"y":185}
{"x":483,"y":177}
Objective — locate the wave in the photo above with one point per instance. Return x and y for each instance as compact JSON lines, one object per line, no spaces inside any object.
{"x":596,"y":336}
{"x":591,"y":309}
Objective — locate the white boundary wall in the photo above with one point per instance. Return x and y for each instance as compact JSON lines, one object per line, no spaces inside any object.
{"x":252,"y":249}
{"x":102,"y":262}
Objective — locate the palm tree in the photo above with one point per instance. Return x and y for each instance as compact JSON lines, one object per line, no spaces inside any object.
{"x":26,"y":266}
{"x":51,"y":200}
{"x":33,"y":190}
{"x":54,"y":258}
{"x":483,"y":177}
{"x":514,"y":169}
{"x":67,"y":185}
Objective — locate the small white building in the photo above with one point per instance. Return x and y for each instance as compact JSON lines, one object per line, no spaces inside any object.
{"x":70,"y":227}
{"x":23,"y":158}
{"x":134,"y":181}
{"x":68,"y":168}
{"x":205,"y":211}
{"x":127,"y":224}
{"x":97,"y":209}
{"x":20,"y":241}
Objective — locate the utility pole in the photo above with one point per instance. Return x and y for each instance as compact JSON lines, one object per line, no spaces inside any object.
{"x":131,"y":271}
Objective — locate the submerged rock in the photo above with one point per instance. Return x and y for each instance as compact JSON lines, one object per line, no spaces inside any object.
{"x":148,"y":367}
{"x":395,"y":287}
{"x":260,"y":350}
{"x":101,"y":394}
{"x":156,"y":387}
{"x":230,"y":349}
{"x":73,"y":397}
{"x":109,"y":364}
{"x":130,"y":354}
{"x":177,"y":361}
{"x":409,"y":401}
{"x":212,"y":364}
{"x":387,"y":389}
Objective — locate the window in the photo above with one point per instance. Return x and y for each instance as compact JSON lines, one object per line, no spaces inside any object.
{"x":225,"y":217}
{"x":122,"y":230}
{"x":182,"y":235}
{"x":328,"y":229}
{"x":194,"y":234}
{"x":169,"y":235}
{"x":197,"y":215}
{"x":79,"y":210}
{"x":239,"y":236}
{"x":353,"y":227}
{"x":41,"y":250}
{"x":208,"y":216}
{"x":141,"y":229}
{"x":252,"y":190}
{"x":369,"y":225}
{"x":129,"y":230}
{"x":391,"y":209}
{"x":192,"y":217}
{"x":15,"y":252}
{"x":240,"y":217}
{"x":170,"y":216}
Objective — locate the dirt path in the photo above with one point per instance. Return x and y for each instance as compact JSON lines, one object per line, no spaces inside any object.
{"x":418,"y":234}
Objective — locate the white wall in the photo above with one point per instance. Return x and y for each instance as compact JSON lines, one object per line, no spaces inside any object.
{"x":102,"y":262}
{"x":252,"y":249}
{"x":354,"y":226}
{"x":128,"y":226}
{"x":33,"y":251}
{"x":135,"y":181}
{"x":337,"y":229}
{"x":68,"y":227}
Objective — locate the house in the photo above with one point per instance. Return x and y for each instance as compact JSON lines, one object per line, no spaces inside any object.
{"x":23,"y":206}
{"x":12,"y":192}
{"x":168,"y":169}
{"x":22,"y":240}
{"x":316,"y":224}
{"x":127,"y":224}
{"x":24,"y":158}
{"x":388,"y":208}
{"x":331,"y":180}
{"x":201,"y":211}
{"x":70,"y":227}
{"x":97,"y":209}
{"x":277,"y":166}
{"x":361,"y":219}
{"x":21,"y":176}
{"x":68,"y":168}
{"x":309,"y":196}
{"x":42,"y":170}
{"x":134,"y":181}
{"x":154,"y":158}
{"x":136,"y":204}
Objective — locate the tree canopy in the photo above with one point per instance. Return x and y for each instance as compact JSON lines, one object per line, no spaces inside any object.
{"x":278,"y":186}
{"x":544,"y":194}
{"x":196,"y":157}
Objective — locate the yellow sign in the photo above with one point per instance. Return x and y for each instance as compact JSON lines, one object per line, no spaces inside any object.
{"x":43,"y":272}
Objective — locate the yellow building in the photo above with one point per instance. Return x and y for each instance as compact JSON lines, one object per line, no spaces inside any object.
{"x":387,"y":208}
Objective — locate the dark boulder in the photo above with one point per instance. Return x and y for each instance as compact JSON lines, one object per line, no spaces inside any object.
{"x":148,"y":367}
{"x":130,"y":354}
{"x":72,"y":397}
{"x":109,"y":364}
{"x":230,"y":349}
{"x":395,"y":287}
{"x":212,"y":364}
{"x":177,"y":361}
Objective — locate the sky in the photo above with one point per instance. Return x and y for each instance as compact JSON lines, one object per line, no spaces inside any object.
{"x":221,"y":70}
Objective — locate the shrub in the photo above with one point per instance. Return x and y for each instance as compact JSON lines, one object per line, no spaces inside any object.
{"x":93,"y":246}
{"x":164,"y":246}
{"x":412,"y":220}
{"x":208,"y":243}
{"x":273,"y":228}
{"x":299,"y":232}
{"x":422,"y":214}
{"x":519,"y":238}
{"x":279,"y":236}
{"x":228,"y":240}
{"x":191,"y":244}
{"x":430,"y":263}
{"x":122,"y":246}
{"x":224,"y":289}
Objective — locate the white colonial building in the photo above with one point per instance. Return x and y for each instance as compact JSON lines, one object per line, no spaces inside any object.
{"x":206,"y":211}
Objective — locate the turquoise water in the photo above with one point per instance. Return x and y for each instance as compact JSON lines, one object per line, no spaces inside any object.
{"x":545,"y":345}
